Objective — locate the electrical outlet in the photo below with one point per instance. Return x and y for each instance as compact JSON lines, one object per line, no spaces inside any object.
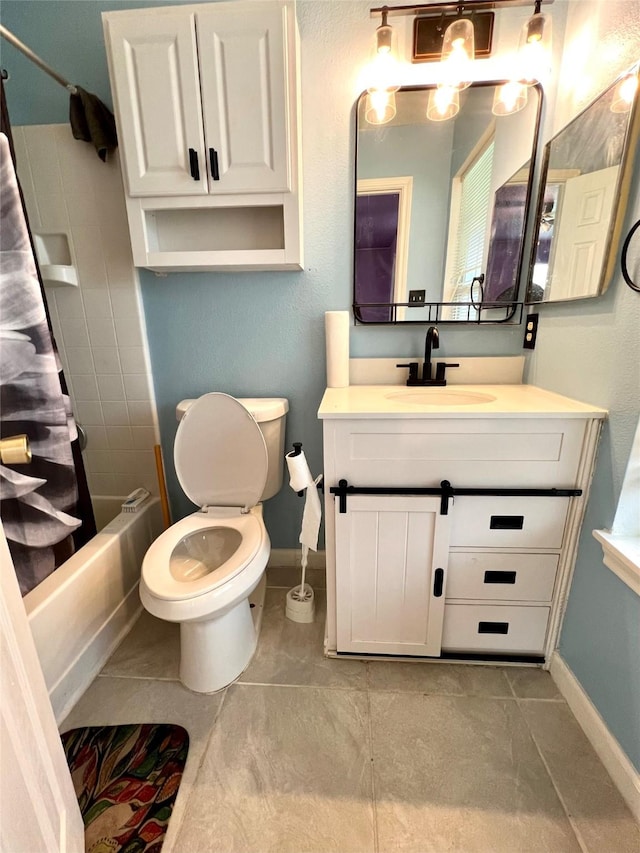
{"x":416,"y":297}
{"x":530,"y":331}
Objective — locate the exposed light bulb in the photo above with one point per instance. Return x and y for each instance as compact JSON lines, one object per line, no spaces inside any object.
{"x":534,"y":52}
{"x":384,"y":70}
{"x":444,"y":103}
{"x":458,"y":53}
{"x":380,"y":107}
{"x":625,"y":94}
{"x":509,"y":98}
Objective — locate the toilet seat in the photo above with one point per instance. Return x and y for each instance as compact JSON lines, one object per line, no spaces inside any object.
{"x":156,"y":566}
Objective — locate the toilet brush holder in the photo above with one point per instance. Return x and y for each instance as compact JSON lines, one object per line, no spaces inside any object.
{"x":301,"y":605}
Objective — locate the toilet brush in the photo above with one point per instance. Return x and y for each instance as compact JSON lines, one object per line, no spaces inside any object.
{"x":301,"y":600}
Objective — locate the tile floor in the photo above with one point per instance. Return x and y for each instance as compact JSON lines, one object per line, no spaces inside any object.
{"x":304,"y":753}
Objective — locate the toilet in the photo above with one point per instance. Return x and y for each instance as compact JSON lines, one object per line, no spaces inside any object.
{"x":207,"y":570}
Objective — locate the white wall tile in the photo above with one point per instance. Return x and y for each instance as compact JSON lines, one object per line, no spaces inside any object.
{"x":43,"y":159}
{"x":97,"y":304}
{"x":129,"y":332}
{"x":102,"y":484}
{"x":140,"y":413}
{"x":98,"y":461}
{"x":106,"y":360}
{"x":79,"y":360}
{"x":83,"y":209}
{"x":97,"y":438}
{"x":74,"y":333}
{"x":89,"y":256}
{"x":120,"y":438}
{"x":125,"y":304}
{"x":110,"y":386}
{"x":144,"y":438}
{"x":101,"y":333}
{"x":52,"y":212}
{"x":68,"y":302}
{"x":89,"y":412}
{"x":115,"y":414}
{"x":85,"y":387}
{"x":132,"y":359}
{"x":136,"y":386}
{"x":126,"y":483}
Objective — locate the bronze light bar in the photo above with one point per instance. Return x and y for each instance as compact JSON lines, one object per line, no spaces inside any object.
{"x":434,"y":8}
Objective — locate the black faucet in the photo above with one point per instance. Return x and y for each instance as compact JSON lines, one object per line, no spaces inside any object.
{"x":432,"y":341}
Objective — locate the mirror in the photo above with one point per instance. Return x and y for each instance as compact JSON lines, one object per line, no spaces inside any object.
{"x":441,"y":208}
{"x":584,"y":186}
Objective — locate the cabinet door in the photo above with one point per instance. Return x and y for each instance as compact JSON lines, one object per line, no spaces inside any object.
{"x":391,"y":563}
{"x":243,"y":74}
{"x":154,"y":72}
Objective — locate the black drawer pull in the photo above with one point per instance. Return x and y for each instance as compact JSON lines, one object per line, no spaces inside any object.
{"x":438,"y":582}
{"x":193,"y":164}
{"x":499,"y":577}
{"x":213,"y":162}
{"x":493,"y":627}
{"x":506,"y":522}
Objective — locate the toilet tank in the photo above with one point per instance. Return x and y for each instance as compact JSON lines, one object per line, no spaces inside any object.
{"x":270,"y":414}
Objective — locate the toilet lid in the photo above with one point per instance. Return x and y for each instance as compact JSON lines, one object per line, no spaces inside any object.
{"x":220,"y":453}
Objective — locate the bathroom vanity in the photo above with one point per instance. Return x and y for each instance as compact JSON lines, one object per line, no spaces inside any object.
{"x":452,"y":517}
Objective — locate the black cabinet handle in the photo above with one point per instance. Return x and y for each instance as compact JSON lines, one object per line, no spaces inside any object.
{"x":438,"y":582}
{"x":193,"y":164}
{"x":506,"y":522}
{"x":500,"y":577}
{"x":213,"y":160}
{"x":493,"y":627}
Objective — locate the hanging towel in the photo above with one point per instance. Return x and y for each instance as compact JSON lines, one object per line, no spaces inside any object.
{"x":92,"y":121}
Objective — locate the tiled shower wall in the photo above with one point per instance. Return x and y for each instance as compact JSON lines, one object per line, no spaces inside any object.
{"x":99,"y":325}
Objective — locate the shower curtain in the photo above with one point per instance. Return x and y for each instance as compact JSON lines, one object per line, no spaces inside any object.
{"x":39,"y":502}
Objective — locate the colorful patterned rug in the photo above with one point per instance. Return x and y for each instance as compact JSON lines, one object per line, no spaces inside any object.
{"x":126,"y":779}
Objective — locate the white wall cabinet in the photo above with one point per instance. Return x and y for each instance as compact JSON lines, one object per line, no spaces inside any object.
{"x":506,"y":561}
{"x":206,"y":102}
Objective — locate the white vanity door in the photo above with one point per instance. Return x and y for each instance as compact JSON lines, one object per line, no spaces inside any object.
{"x":391,"y":559}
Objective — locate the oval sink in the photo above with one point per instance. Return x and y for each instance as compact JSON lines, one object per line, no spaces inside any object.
{"x":440,"y":397}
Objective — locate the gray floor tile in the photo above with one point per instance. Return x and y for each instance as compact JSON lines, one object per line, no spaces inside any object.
{"x":292,"y":653}
{"x":287,"y":769}
{"x":117,"y":701}
{"x":461,"y":774}
{"x":424,"y":677}
{"x":599,"y":812}
{"x":530,"y":683}
{"x":150,"y":650}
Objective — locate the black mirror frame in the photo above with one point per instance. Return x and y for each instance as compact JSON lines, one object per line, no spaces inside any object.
{"x":510,"y":312}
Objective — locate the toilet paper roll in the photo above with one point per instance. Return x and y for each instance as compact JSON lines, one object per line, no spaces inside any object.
{"x":300,"y":477}
{"x":336,"y":324}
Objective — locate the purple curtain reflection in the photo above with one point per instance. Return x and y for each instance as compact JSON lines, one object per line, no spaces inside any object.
{"x":375,"y":261}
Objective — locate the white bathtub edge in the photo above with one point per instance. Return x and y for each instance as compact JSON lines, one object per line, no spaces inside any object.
{"x":72,"y":684}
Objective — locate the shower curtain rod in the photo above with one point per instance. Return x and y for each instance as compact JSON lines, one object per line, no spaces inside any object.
{"x":9,"y":36}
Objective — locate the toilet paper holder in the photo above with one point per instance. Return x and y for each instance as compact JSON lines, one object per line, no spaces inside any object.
{"x":297,"y":450}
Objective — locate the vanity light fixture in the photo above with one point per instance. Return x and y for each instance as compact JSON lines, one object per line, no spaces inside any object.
{"x":382,"y":75}
{"x":444,"y":103}
{"x":509,"y":98}
{"x":458,"y":53}
{"x":534,"y":51}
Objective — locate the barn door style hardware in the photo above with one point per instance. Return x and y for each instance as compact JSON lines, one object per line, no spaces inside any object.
{"x":446,"y":492}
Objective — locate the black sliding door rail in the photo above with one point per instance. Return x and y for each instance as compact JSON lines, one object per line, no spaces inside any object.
{"x":446,"y":492}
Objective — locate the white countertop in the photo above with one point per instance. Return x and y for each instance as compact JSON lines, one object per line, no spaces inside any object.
{"x":510,"y":401}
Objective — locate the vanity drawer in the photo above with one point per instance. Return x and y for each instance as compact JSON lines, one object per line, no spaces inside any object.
{"x":494,"y":628}
{"x":508,"y":522}
{"x":502,"y":577}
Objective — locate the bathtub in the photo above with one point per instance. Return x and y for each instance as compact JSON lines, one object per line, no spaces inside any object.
{"x":79,"y":614}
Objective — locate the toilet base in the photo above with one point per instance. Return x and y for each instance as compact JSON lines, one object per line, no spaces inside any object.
{"x":214,"y":653}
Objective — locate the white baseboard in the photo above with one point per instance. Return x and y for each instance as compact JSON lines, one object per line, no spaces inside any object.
{"x":79,"y":675}
{"x":290,"y":558}
{"x":625,"y":777}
